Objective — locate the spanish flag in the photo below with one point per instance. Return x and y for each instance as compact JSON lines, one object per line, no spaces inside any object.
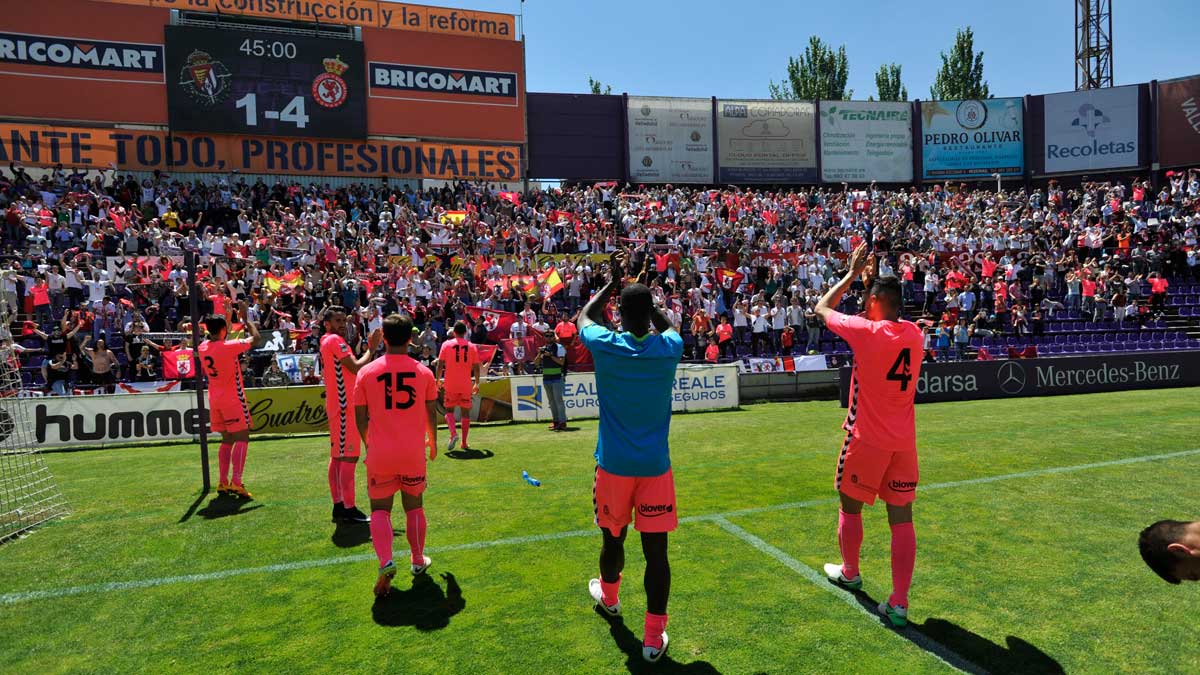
{"x":550,"y":282}
{"x":293,"y":279}
{"x":456,"y":217}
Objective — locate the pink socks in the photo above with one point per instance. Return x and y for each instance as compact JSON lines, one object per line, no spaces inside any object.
{"x":466,"y":426}
{"x":381,"y":535}
{"x":239,"y":461}
{"x":346,"y":483}
{"x":610,"y":590}
{"x":904,"y":558}
{"x":224,"y":455}
{"x":655,"y":625}
{"x":451,"y":425}
{"x":415,"y":531}
{"x":850,"y":538}
{"x":335,"y":486}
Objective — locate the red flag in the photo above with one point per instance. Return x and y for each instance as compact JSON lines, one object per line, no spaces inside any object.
{"x":729,"y":279}
{"x":522,"y":349}
{"x":513,"y":197}
{"x":486,"y":354}
{"x":578,"y":357}
{"x":497,"y":322}
{"x":556,"y":216}
{"x":178,"y":364}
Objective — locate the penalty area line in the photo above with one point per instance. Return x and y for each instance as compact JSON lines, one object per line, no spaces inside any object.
{"x":113,"y":586}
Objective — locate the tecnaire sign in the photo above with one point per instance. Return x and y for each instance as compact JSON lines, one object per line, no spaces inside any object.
{"x":969,"y":380}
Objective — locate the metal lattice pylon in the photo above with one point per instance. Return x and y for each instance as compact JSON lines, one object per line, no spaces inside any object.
{"x":28,"y":494}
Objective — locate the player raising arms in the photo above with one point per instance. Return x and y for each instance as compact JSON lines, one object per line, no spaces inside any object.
{"x":635,"y":372}
{"x":458,"y":363}
{"x":879,"y":456}
{"x":395,"y":401}
{"x":341,"y":370}
{"x":220,"y":360}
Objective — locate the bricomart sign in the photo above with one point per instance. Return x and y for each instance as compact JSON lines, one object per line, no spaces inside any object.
{"x":970,"y":380}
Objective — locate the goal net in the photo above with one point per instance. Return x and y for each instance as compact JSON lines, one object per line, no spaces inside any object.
{"x":28,"y":494}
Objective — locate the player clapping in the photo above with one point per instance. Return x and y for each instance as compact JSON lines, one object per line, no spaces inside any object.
{"x":220,"y":361}
{"x":395,"y":400}
{"x":341,"y":372}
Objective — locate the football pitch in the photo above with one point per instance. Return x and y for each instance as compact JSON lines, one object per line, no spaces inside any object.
{"x":1027,"y":562}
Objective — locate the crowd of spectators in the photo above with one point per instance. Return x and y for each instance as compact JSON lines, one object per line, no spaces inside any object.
{"x":93,"y":288}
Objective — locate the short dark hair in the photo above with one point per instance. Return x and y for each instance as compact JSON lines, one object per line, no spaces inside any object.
{"x":636,"y":301}
{"x":214,"y":324}
{"x":1153,"y":543}
{"x":397,"y":330}
{"x":331,"y":311}
{"x":888,"y":289}
{"x":460,"y":328}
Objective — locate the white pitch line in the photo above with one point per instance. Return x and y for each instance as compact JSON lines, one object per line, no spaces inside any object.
{"x":51,"y":593}
{"x":935,"y":649}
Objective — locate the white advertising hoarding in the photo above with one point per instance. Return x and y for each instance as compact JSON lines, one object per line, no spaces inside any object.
{"x":670,"y":140}
{"x":863,"y":141}
{"x":766,"y":141}
{"x":696,"y":388}
{"x":1092,"y":130}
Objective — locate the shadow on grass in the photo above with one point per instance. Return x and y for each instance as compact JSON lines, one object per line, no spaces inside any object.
{"x":349,"y":535}
{"x":425,"y":606}
{"x":223,"y":506}
{"x":1016,"y":657}
{"x":632,"y":646}
{"x":968,"y":651}
{"x":471,"y":453}
{"x":187,"y":515}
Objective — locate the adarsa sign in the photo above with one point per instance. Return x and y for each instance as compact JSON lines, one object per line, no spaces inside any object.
{"x":970,"y":380}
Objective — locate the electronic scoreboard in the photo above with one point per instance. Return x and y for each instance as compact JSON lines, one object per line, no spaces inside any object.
{"x":265,"y":83}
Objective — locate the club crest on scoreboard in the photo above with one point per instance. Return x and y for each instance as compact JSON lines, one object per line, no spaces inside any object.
{"x":329,"y":89}
{"x":205,"y":78}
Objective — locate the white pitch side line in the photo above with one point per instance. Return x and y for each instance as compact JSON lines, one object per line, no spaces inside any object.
{"x":935,"y":649}
{"x":51,"y":593}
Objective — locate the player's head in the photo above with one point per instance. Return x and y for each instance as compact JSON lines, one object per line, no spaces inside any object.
{"x":334,"y":320}
{"x":636,"y":303}
{"x":1172,"y":549}
{"x":216,"y":327}
{"x":397,"y":331}
{"x":460,"y":328}
{"x":885,"y":300}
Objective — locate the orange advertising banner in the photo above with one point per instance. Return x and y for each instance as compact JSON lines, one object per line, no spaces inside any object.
{"x":368,"y":13}
{"x":138,"y":150}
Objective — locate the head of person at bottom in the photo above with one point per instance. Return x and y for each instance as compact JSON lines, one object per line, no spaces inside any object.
{"x":636,"y":305}
{"x":885,"y":300}
{"x":1172,"y":549}
{"x":397,"y":332}
{"x":216,"y":327}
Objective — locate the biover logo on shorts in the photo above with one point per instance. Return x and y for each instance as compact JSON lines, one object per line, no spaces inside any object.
{"x":654,"y":510}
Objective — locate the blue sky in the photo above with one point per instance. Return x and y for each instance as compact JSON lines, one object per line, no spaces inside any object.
{"x":734,"y":48}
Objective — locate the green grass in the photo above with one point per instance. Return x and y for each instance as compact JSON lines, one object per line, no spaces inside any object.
{"x":1022,"y":575}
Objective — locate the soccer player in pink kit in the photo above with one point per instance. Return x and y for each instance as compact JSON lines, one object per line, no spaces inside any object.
{"x":220,"y":360}
{"x":341,"y":368}
{"x":395,"y":399}
{"x":879,"y":457}
{"x":458,"y":364}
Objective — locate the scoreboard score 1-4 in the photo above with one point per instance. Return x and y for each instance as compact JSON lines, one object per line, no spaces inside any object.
{"x":263,"y":83}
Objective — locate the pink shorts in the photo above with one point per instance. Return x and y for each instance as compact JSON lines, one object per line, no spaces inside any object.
{"x":616,"y":498}
{"x":343,"y":434}
{"x":865,"y":471}
{"x":382,"y":486}
{"x":229,"y":416}
{"x":457,"y":399}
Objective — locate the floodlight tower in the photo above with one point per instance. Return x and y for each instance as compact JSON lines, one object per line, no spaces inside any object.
{"x":1093,"y":44}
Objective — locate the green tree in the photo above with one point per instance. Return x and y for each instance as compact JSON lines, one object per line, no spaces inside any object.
{"x":820,"y":72}
{"x":595,"y":86}
{"x":961,"y":74}
{"x":887,"y":83}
